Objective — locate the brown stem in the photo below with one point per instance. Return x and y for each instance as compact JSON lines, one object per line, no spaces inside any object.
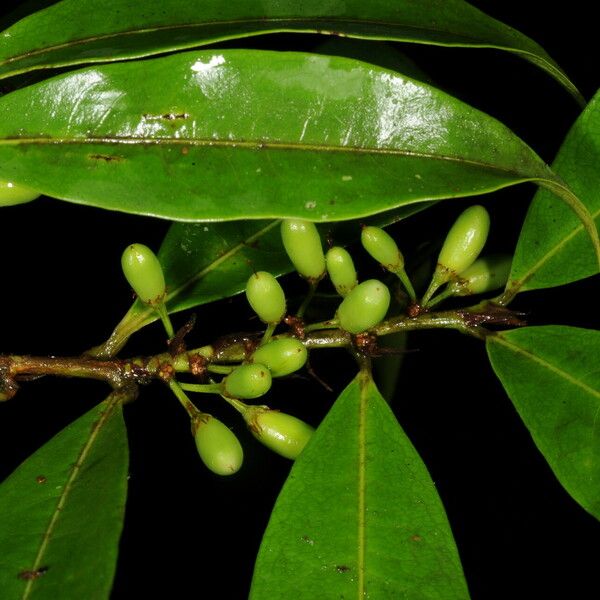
{"x":235,"y":349}
{"x":14,"y":366}
{"x":118,"y":373}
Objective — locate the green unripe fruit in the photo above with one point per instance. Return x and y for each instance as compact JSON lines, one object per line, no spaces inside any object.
{"x":247,"y":381}
{"x":266,"y":297}
{"x":484,"y":275}
{"x":464,"y":242}
{"x":284,"y":434}
{"x":382,"y":247}
{"x":219,"y":448}
{"x":364,"y":307}
{"x":11,"y":193}
{"x":302,"y":243}
{"x":144,"y":273}
{"x":282,"y":356}
{"x":340,"y":267}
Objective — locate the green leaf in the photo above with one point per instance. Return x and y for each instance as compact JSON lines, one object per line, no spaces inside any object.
{"x":62,"y":511}
{"x":553,"y":247}
{"x":359,"y":516}
{"x":552,"y":376}
{"x":74,"y":32}
{"x":249,"y":134}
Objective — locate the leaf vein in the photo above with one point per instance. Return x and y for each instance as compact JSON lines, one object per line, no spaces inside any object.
{"x":519,"y":283}
{"x":114,"y":399}
{"x":261,"y":145}
{"x":362,"y":426}
{"x":544,"y":363}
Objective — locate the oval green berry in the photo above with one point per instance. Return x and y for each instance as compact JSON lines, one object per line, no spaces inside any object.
{"x":12,"y":193}
{"x":364,"y":307}
{"x":284,"y":434}
{"x":484,"y":275}
{"x":464,"y":242}
{"x":282,"y":356}
{"x":144,"y":273}
{"x":266,"y":297}
{"x":302,"y":243}
{"x":217,"y":445}
{"x":382,"y":247}
{"x":340,"y":267}
{"x":247,"y":381}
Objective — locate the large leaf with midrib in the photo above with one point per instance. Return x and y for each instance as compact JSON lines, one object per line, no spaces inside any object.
{"x":79,"y":31}
{"x":359,"y":516}
{"x":246,"y":134}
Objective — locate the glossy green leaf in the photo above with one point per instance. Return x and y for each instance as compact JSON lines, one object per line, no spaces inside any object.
{"x":359,"y":516}
{"x":553,"y":247}
{"x":204,"y":262}
{"x":249,"y":134}
{"x":62,"y":510}
{"x":72,"y":32}
{"x":552,"y":376}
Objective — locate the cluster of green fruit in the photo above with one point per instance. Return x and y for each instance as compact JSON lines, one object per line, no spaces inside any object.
{"x":363,"y":306}
{"x":217,"y":445}
{"x":459,"y":265}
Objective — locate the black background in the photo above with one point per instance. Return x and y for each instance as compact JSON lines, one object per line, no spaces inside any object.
{"x":194,"y":534}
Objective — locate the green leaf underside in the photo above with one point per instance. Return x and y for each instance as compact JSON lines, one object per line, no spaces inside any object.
{"x":204,"y":262}
{"x":552,"y":376}
{"x":62,"y":511}
{"x":553,"y":248}
{"x":359,"y":516}
{"x":70,"y":32}
{"x":250,"y":134}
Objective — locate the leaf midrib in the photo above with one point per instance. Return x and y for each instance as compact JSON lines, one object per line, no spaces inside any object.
{"x":501,"y":339}
{"x":259,"y":145}
{"x":364,"y":380}
{"x":111,"y":403}
{"x":519,"y":283}
{"x":272,"y":20}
